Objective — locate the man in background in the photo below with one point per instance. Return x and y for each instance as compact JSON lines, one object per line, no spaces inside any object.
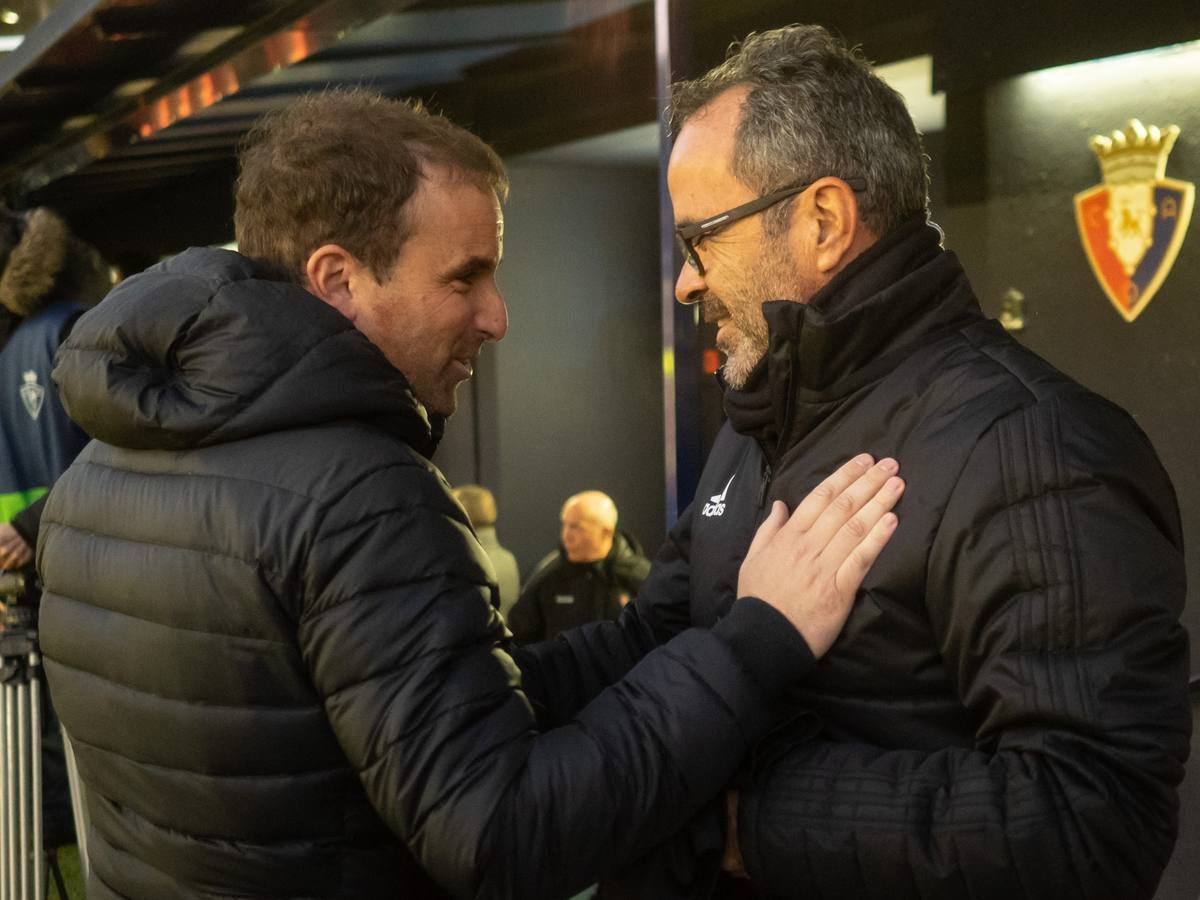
{"x":480,"y":505}
{"x":48,"y":277}
{"x":594,"y":573}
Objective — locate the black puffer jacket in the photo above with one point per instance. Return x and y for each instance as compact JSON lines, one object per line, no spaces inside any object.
{"x":267,"y":627}
{"x":1005,"y":714}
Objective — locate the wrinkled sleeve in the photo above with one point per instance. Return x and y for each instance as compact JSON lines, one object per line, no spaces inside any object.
{"x":1055,"y":587}
{"x":564,"y":674}
{"x":407,"y":654}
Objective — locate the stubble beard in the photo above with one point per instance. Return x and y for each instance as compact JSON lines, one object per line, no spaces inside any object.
{"x":775,"y":278}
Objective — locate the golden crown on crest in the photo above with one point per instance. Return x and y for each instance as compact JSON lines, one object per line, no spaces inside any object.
{"x":1136,"y":153}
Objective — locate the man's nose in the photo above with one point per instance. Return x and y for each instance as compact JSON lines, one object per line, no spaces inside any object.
{"x":493,"y":315}
{"x":689,"y":286}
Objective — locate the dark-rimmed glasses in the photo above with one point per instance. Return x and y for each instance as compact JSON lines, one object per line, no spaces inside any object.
{"x":690,"y":236}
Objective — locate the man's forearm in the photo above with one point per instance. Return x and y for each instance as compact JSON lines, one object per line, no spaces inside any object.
{"x":561,"y":676}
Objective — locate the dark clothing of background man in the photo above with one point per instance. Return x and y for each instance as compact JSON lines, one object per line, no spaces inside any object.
{"x":48,"y":276}
{"x":39,"y":438}
{"x":269,"y":631}
{"x":562,"y":594}
{"x":1005,"y":714}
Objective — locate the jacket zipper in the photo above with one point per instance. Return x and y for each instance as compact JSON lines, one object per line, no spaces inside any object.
{"x":764,"y":484}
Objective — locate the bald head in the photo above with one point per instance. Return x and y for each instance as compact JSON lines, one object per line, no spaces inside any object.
{"x":589,"y":522}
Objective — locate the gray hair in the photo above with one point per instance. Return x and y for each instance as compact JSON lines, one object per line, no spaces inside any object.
{"x":815,"y":108}
{"x":596,"y":505}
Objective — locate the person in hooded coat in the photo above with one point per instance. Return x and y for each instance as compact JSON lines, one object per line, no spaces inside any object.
{"x":48,"y":277}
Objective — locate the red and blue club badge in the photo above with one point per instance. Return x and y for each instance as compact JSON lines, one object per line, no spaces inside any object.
{"x":1133,"y":224}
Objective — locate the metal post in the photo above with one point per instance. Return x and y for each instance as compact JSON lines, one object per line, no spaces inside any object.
{"x":10,"y":765}
{"x":35,"y":693}
{"x":680,"y":344}
{"x":5,"y":800}
{"x":662,"y":53}
{"x":78,"y":805}
{"x":23,"y":791}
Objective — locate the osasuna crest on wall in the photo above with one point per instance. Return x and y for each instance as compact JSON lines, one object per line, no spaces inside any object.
{"x":32,"y":394}
{"x":1133,"y":224}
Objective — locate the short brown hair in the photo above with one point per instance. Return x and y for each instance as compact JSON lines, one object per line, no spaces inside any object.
{"x":478,"y":502}
{"x":339,"y":167}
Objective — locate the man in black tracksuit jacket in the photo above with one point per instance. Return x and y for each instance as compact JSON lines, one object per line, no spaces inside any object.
{"x":594,"y":573}
{"x":267,"y":624}
{"x":1005,"y":714}
{"x":562,"y":594}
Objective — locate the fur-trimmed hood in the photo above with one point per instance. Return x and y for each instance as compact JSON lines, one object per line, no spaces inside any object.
{"x":43,"y":262}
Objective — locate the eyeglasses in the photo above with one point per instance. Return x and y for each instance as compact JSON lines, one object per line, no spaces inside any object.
{"x":690,"y":236}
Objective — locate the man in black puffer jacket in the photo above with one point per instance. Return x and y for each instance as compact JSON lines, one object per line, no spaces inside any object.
{"x":267,"y":623}
{"x":1005,"y":714}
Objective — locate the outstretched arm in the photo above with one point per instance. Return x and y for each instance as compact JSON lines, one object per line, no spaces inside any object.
{"x":445,"y":744}
{"x":564,"y":675}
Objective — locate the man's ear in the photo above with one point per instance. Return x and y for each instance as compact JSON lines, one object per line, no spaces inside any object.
{"x":836,"y":229}
{"x":331,"y":269}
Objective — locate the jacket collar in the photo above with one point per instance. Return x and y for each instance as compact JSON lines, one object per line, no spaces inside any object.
{"x":899,"y":293}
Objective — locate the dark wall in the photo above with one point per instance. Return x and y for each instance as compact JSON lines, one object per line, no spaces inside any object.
{"x":1021,"y":233}
{"x":575,"y":397}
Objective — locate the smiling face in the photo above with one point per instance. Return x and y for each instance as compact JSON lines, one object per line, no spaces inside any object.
{"x":587,"y":535}
{"x":742,"y":269}
{"x":440,"y":302}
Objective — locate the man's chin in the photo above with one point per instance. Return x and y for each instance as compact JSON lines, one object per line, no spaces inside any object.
{"x":736,"y":370}
{"x":445,"y":409}
{"x":442,"y":403}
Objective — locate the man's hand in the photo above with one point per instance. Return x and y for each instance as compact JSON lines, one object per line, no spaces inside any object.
{"x":810,"y":566}
{"x":14,"y":552}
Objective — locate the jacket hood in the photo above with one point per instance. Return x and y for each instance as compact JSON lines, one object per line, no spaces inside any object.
{"x":898,"y":294}
{"x":41,"y":261}
{"x":207,"y":348}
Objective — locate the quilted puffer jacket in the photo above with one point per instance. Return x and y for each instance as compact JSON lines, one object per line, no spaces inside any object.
{"x":268,"y":629}
{"x":1005,"y":714}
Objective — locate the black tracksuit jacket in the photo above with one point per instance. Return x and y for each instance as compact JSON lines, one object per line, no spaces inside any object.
{"x":1005,"y":714}
{"x":561,"y":594}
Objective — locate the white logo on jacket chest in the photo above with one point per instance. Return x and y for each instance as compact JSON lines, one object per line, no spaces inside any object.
{"x":32,"y":394}
{"x":716,"y":504}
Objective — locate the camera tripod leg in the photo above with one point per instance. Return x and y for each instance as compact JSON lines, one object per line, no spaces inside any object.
{"x":5,"y":800}
{"x":10,"y":808}
{"x":35,"y":719}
